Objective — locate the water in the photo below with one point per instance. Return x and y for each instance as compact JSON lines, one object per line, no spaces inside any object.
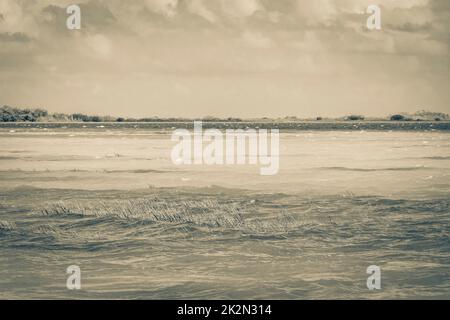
{"x":109,"y":199}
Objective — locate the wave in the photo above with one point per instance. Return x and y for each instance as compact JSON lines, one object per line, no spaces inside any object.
{"x":7,"y":225}
{"x":139,"y":171}
{"x":236,"y":215}
{"x":120,"y":222}
{"x":432,"y":158}
{"x":376,"y":169}
{"x":84,"y":170}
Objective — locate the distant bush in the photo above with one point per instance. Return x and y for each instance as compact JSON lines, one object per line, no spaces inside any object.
{"x":398,"y":117}
{"x":10,"y":114}
{"x":60,"y":117}
{"x":86,"y":118}
{"x":354,"y":117}
{"x":210,"y":119}
{"x":80,"y":117}
{"x":319,"y":118}
{"x":428,"y":115}
{"x":37,"y":113}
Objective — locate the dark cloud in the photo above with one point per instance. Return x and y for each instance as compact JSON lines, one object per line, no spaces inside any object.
{"x":412,"y":27}
{"x":97,"y":16}
{"x":14,"y":37}
{"x":54,"y":17}
{"x":440,"y":5}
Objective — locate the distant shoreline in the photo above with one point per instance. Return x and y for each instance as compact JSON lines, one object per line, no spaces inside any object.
{"x":338,"y":125}
{"x":13,"y":114}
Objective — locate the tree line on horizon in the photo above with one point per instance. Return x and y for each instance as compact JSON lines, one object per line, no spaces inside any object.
{"x":12,"y":114}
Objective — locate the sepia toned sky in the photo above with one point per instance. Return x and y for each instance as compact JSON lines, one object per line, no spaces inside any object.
{"x":245,"y":58}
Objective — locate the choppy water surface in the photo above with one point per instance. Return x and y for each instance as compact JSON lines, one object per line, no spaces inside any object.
{"x":110,"y":201}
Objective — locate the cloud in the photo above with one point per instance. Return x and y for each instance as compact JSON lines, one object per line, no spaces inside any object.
{"x":167,"y":8}
{"x":99,"y":45}
{"x":14,"y":37}
{"x":240,"y":8}
{"x":317,"y":11}
{"x":12,"y":16}
{"x":14,"y":19}
{"x":256,"y":40}
{"x":198,"y":7}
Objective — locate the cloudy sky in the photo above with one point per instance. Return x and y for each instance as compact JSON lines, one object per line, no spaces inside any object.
{"x":246,"y":58}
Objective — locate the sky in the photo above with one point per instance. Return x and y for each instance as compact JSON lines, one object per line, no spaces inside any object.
{"x":239,"y":58}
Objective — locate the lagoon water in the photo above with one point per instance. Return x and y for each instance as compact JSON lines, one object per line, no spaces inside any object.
{"x":110,"y":200}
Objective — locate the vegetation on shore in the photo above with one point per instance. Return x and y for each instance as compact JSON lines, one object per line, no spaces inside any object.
{"x":11,"y":114}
